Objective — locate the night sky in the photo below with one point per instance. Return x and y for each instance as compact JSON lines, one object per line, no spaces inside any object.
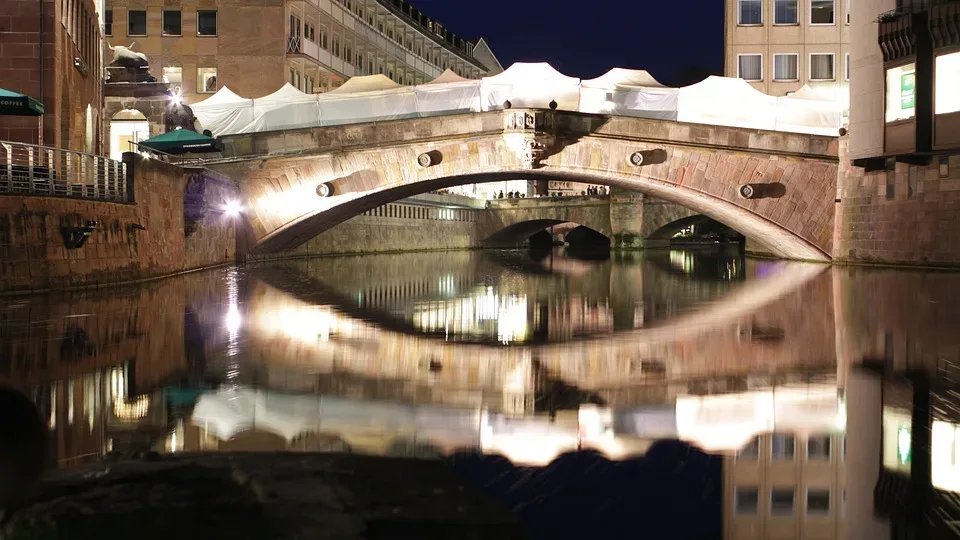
{"x":678,"y":41}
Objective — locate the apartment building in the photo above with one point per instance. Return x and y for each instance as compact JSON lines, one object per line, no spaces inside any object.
{"x":780,"y":45}
{"x":786,"y":486}
{"x":50,"y":50}
{"x":254,"y":47}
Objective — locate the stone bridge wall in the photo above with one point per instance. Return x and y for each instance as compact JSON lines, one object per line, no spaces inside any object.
{"x":132,"y":241}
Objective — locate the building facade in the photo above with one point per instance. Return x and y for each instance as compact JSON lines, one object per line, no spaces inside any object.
{"x":51,"y":51}
{"x":780,"y":45}
{"x":254,"y":47}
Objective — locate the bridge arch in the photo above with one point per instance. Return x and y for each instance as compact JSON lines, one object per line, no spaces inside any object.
{"x":699,"y":167}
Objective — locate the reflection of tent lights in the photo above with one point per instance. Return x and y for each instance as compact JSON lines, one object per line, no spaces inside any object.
{"x":131,"y":410}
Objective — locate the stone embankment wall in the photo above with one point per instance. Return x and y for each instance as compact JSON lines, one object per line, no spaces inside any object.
{"x":175,"y":223}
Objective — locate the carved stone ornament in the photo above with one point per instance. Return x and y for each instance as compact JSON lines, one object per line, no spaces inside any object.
{"x":425,"y":160}
{"x":636,"y":159}
{"x":529,"y":134}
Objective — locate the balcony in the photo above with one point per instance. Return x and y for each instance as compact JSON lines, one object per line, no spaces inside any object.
{"x":27,"y":169}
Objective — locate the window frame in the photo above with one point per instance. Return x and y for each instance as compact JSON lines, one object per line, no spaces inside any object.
{"x":820,"y":459}
{"x":810,"y":13}
{"x":163,"y":22}
{"x":144,"y":34}
{"x":200,"y":80}
{"x":108,"y":26}
{"x":739,"y":55}
{"x":163,"y":70}
{"x":740,"y":13}
{"x":795,"y":23}
{"x":793,"y":506}
{"x":216,"y":22}
{"x":846,"y":67}
{"x":810,"y":78}
{"x":806,"y":501}
{"x":796,"y":56}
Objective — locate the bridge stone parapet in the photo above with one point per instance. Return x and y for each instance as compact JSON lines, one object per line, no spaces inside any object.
{"x":300,"y":183}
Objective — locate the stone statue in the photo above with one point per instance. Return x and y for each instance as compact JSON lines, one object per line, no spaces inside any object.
{"x":128,"y":65}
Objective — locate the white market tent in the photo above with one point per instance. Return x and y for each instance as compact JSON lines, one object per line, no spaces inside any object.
{"x":726,"y":101}
{"x":532,"y":85}
{"x":622,"y":92}
{"x":628,"y":92}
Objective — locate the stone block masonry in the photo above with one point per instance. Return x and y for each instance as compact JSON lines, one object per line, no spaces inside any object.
{"x":156,"y":234}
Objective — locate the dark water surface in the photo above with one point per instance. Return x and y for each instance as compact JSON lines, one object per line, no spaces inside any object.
{"x":527,"y":355}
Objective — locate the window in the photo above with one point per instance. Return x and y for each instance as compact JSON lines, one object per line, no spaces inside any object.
{"x":943,"y":167}
{"x":947,"y":81}
{"x":751,"y":12}
{"x":785,"y":12}
{"x":821,"y":11}
{"x":847,"y":3}
{"x":912,"y":173}
{"x":783,"y":446}
{"x":781,"y":501}
{"x":206,"y":80}
{"x":821,"y":67}
{"x":173,"y":74}
{"x":818,"y":447}
{"x":751,"y":451}
{"x":891,"y":193}
{"x":901,"y":97}
{"x":750,"y":67}
{"x":323,"y":39}
{"x":171,"y":22}
{"x":108,"y":22}
{"x":206,"y":22}
{"x":818,"y":502}
{"x":785,"y":67}
{"x":336,"y":46}
{"x":846,"y":66}
{"x":136,"y":22}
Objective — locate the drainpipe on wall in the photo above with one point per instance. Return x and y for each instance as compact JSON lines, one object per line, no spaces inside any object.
{"x":40,"y":97}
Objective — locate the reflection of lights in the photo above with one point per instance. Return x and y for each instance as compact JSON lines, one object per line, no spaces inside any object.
{"x":131,"y":410}
{"x":232,"y":320}
{"x":682,"y":260}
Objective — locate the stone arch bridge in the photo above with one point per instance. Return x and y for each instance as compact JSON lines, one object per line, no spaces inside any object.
{"x":299,"y":183}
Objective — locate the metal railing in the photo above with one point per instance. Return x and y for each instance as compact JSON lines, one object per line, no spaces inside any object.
{"x":27,"y":169}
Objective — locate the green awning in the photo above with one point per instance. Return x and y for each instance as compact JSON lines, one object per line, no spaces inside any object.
{"x":16,"y":104}
{"x":181,"y":141}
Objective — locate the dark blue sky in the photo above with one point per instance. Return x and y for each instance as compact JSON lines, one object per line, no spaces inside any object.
{"x":676,"y":40}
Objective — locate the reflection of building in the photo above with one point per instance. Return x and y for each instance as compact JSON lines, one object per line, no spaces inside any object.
{"x":780,"y":45}
{"x":313,"y":45}
{"x":784,"y":485}
{"x":69,"y":68}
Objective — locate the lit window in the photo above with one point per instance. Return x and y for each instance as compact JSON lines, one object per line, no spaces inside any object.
{"x":751,"y":12}
{"x":747,"y":500}
{"x":783,"y":446}
{"x":818,"y":502}
{"x":781,"y":501}
{"x":821,"y":11}
{"x":136,"y":23}
{"x":947,"y":90}
{"x":750,"y":67}
{"x":901,"y":93}
{"x":785,"y":67}
{"x":818,"y":447}
{"x":206,"y":22}
{"x":785,"y":12}
{"x":821,"y":67}
{"x":173,"y":74}
{"x":751,"y":451}
{"x":206,"y":80}
{"x":171,"y":22}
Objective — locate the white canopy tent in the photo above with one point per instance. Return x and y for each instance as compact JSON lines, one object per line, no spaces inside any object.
{"x":287,"y":108}
{"x":449,"y":93}
{"x":725,"y":101}
{"x":369,"y":98}
{"x":532,"y":85}
{"x":628,"y":92}
{"x":810,"y":110}
{"x":224,"y":112}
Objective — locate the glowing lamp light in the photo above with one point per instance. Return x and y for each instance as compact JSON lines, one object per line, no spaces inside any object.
{"x":233,"y":208}
{"x":176,"y":99}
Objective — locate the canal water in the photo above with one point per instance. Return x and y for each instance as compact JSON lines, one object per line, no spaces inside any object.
{"x":523,"y":354}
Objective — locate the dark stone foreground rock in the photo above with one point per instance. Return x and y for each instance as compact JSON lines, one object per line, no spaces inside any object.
{"x":262,"y":496}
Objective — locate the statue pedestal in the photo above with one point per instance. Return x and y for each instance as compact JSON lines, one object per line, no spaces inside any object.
{"x":129,"y":74}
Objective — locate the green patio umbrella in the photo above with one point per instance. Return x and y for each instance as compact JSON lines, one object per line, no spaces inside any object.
{"x":182,"y":141}
{"x":16,"y":104}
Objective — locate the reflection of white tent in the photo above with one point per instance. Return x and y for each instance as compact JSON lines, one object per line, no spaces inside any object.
{"x":370,"y":98}
{"x":809,"y":110}
{"x":224,"y":112}
{"x":287,"y":108}
{"x":531,"y":85}
{"x":449,"y":93}
{"x":628,"y":92}
{"x":726,"y":101}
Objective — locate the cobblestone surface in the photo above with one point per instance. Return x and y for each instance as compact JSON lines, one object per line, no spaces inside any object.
{"x":283,"y":496}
